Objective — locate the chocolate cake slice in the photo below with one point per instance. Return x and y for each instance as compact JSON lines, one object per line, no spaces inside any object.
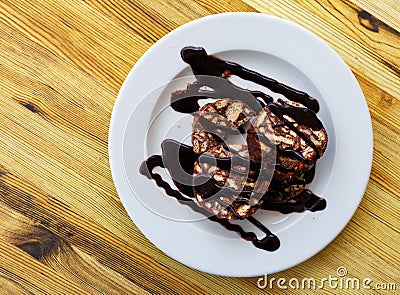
{"x":214,"y":122}
{"x":228,"y":184}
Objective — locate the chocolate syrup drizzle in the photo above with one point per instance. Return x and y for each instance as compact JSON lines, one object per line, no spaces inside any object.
{"x":179,"y":158}
{"x":171,"y":147}
{"x":204,"y":64}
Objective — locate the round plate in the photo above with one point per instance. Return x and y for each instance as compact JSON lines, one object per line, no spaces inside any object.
{"x":276,"y":48}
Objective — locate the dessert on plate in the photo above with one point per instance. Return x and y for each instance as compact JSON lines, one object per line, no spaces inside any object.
{"x":282,"y":139}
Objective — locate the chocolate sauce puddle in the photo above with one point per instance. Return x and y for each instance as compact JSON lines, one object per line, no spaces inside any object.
{"x":306,"y":200}
{"x":179,"y":158}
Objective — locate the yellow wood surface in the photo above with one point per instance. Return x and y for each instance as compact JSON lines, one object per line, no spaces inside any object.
{"x":63,"y":229}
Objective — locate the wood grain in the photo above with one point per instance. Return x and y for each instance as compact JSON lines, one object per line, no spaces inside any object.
{"x":374,"y":55}
{"x":28,"y":280}
{"x":385,"y":10}
{"x":61,"y":257}
{"x":63,"y":229}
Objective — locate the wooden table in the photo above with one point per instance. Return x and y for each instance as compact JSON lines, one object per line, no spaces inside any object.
{"x":63,"y":229}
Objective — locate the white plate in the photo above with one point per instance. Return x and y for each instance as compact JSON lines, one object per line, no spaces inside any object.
{"x":276,"y":48}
